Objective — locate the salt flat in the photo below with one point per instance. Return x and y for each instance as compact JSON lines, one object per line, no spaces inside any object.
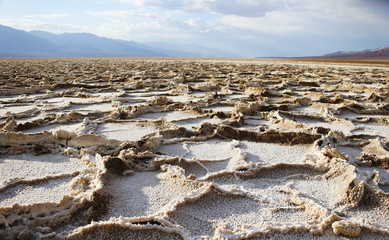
{"x":180,"y":148}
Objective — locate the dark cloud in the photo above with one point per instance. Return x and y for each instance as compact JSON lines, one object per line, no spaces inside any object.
{"x":373,"y":6}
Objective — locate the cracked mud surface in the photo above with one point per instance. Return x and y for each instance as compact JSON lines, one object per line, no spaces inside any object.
{"x":193,"y":149}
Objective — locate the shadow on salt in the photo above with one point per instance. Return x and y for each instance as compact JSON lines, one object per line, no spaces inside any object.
{"x":70,"y":127}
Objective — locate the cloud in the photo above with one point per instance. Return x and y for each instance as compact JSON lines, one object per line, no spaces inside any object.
{"x":156,"y":25}
{"x":243,"y":8}
{"x":184,"y":5}
{"x":124,"y":14}
{"x":252,"y":27}
{"x":248,"y":8}
{"x":33,"y":24}
{"x":53,"y":15}
{"x":147,"y":26}
{"x":249,"y":27}
{"x":259,"y":8}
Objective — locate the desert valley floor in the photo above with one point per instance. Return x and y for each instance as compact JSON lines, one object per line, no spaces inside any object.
{"x":142,"y":148}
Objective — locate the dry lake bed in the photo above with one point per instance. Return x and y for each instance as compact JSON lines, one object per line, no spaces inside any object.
{"x":152,"y":148}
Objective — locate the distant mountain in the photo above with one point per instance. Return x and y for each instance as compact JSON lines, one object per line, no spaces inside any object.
{"x":341,"y":53}
{"x":16,"y":43}
{"x":381,"y":53}
{"x":21,"y":44}
{"x":86,"y":44}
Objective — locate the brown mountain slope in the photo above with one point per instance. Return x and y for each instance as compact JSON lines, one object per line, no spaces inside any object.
{"x":379,"y":54}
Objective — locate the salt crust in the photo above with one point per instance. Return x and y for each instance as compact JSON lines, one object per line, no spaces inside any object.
{"x":191,"y":149}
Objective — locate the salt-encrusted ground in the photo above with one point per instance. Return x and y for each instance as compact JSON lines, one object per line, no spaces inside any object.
{"x":192,"y":149}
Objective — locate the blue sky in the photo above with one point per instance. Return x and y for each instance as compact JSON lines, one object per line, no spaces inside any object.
{"x":249,"y":28}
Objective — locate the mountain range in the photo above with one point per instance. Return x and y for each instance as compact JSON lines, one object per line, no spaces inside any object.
{"x":34,"y":44}
{"x":379,"y":54}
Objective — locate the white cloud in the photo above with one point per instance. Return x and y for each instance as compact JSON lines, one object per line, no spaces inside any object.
{"x":249,"y":8}
{"x":184,"y":5}
{"x":149,"y":26}
{"x":199,"y":24}
{"x":122,"y":14}
{"x":54,"y":15}
{"x":33,"y":24}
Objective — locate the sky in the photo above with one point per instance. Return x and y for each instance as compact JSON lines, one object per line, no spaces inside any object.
{"x":248,"y":28}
